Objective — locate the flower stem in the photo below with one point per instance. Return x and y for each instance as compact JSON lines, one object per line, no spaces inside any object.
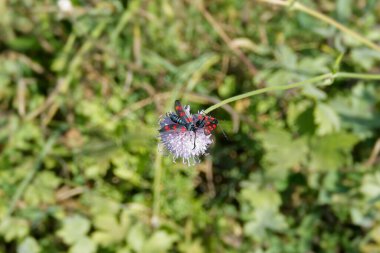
{"x":295,"y":85}
{"x":157,"y":188}
{"x":357,"y":76}
{"x":300,"y":7}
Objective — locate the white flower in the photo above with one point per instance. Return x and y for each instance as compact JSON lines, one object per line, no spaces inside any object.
{"x":65,"y":5}
{"x":181,"y":143}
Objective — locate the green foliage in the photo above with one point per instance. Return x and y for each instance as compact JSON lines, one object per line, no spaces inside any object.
{"x":81,"y":92}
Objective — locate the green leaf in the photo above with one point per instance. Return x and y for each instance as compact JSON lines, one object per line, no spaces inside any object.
{"x":74,"y":228}
{"x":360,"y":218}
{"x":370,"y":186}
{"x":109,"y":229}
{"x":330,"y":152}
{"x":261,"y":211}
{"x":300,"y":117}
{"x":191,"y":247}
{"x":83,"y":245}
{"x":314,"y":92}
{"x":286,"y":57}
{"x":337,"y":63}
{"x":159,"y":242}
{"x":358,"y":110}
{"x":282,"y":77}
{"x":260,"y":198}
{"x":228,"y":88}
{"x":128,"y":173}
{"x":124,"y":250}
{"x":22,"y":43}
{"x":136,"y":237}
{"x":263,"y":220}
{"x":314,"y":65}
{"x":28,"y":245}
{"x":101,"y":205}
{"x":282,"y":151}
{"x":13,"y":228}
{"x":364,"y":57}
{"x":42,"y":190}
{"x":326,"y":119}
{"x":344,"y":9}
{"x":375,"y":234}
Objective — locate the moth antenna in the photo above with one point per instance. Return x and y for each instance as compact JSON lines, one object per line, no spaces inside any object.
{"x":225,"y":136}
{"x":195,"y":137}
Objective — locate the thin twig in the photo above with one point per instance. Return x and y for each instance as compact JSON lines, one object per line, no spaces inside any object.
{"x":219,"y":30}
{"x":152,"y":91}
{"x":67,"y":193}
{"x":63,"y":84}
{"x":374,"y":154}
{"x":300,"y":7}
{"x":21,"y":95}
{"x":50,"y":99}
{"x":207,"y":169}
{"x":141,"y":104}
{"x":32,"y":173}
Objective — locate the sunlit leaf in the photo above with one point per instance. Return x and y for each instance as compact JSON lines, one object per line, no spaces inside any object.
{"x":28,"y":245}
{"x":326,"y":119}
{"x":159,"y":242}
{"x":83,"y":245}
{"x":282,"y":151}
{"x":109,"y":229}
{"x":13,"y":228}
{"x":74,"y":229}
{"x":331,"y":151}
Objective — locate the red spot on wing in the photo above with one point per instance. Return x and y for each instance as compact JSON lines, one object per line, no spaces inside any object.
{"x":181,"y":114}
{"x":199,"y":116}
{"x":168,"y":128}
{"x":183,"y":129}
{"x":178,"y":108}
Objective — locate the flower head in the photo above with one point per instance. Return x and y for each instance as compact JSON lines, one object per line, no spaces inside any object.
{"x":188,"y":145}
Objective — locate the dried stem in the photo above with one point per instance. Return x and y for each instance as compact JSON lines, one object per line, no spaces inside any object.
{"x":219,"y":30}
{"x":300,"y":7}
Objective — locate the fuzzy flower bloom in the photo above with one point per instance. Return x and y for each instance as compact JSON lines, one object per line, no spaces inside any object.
{"x":181,"y":143}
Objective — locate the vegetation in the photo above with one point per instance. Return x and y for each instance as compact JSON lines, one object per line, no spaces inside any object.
{"x":82,"y":87}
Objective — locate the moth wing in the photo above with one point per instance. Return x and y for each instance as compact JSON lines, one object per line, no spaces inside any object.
{"x":172,"y":128}
{"x":181,"y":112}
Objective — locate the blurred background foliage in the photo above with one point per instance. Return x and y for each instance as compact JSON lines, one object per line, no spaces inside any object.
{"x":83,"y":83}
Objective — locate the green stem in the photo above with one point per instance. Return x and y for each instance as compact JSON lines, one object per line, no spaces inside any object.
{"x":357,"y":76}
{"x":294,"y":85}
{"x":300,"y":7}
{"x":157,"y":188}
{"x":32,"y":173}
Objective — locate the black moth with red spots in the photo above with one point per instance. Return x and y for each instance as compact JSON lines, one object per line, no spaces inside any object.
{"x":184,"y":122}
{"x":207,"y":122}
